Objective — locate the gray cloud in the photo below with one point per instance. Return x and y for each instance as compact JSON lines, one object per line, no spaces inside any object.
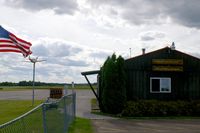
{"x":13,"y":67}
{"x":10,"y":60}
{"x":151,"y":35}
{"x":59,"y":52}
{"x":71,"y":62}
{"x":55,"y":49}
{"x":147,"y":38}
{"x":67,"y":62}
{"x":184,"y":12}
{"x":100,"y":54}
{"x":40,"y":50}
{"x":58,"y":6}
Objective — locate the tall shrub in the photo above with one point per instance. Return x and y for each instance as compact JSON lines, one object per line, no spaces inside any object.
{"x":113,"y":91}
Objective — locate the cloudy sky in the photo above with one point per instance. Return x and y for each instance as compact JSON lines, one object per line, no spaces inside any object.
{"x":78,"y":35}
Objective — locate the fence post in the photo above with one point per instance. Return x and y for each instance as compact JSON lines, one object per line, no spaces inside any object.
{"x":65,"y":115}
{"x":44,"y":118}
{"x":74,"y":105}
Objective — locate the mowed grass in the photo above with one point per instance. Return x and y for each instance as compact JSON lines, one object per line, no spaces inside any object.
{"x":81,"y":125}
{"x":23,"y":88}
{"x":11,"y":109}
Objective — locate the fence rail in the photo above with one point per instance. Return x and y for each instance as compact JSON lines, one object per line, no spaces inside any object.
{"x":53,"y":116}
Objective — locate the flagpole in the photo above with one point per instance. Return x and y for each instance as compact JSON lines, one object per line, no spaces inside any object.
{"x":33,"y":89}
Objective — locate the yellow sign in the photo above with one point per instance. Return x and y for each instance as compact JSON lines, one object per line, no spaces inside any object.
{"x":173,"y":65}
{"x":56,"y":93}
{"x":168,"y":68}
{"x":167,"y":61}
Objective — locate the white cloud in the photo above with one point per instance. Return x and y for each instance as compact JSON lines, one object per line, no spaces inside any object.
{"x":64,"y":62}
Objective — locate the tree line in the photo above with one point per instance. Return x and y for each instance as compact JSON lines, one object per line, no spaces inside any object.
{"x":29,"y":83}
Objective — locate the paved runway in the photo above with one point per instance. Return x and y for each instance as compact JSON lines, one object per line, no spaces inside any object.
{"x":146,"y":126}
{"x":24,"y":95}
{"x":83,"y":97}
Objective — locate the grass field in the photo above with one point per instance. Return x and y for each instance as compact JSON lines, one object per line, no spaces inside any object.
{"x":11,"y":109}
{"x":22,"y":88}
{"x":81,"y":125}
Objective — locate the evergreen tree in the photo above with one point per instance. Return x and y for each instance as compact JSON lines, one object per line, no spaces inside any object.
{"x":113,"y":91}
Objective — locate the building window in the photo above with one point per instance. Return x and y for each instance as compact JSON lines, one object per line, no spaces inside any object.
{"x":160,"y":85}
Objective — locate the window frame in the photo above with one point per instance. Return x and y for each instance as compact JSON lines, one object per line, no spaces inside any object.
{"x":160,"y":89}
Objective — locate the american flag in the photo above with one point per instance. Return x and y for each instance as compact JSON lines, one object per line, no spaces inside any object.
{"x":10,"y":43}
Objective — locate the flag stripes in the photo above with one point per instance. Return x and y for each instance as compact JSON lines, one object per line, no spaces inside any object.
{"x":10,"y":43}
{"x":7,"y":45}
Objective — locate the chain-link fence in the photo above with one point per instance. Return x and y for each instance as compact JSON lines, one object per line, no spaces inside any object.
{"x":53,"y":116}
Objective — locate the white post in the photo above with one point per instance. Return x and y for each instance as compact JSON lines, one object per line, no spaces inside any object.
{"x":72,"y":87}
{"x":65,"y":89}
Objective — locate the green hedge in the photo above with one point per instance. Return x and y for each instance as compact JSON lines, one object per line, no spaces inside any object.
{"x":156,"y":108}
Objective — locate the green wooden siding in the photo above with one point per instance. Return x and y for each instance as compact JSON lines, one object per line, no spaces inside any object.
{"x":184,"y":85}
